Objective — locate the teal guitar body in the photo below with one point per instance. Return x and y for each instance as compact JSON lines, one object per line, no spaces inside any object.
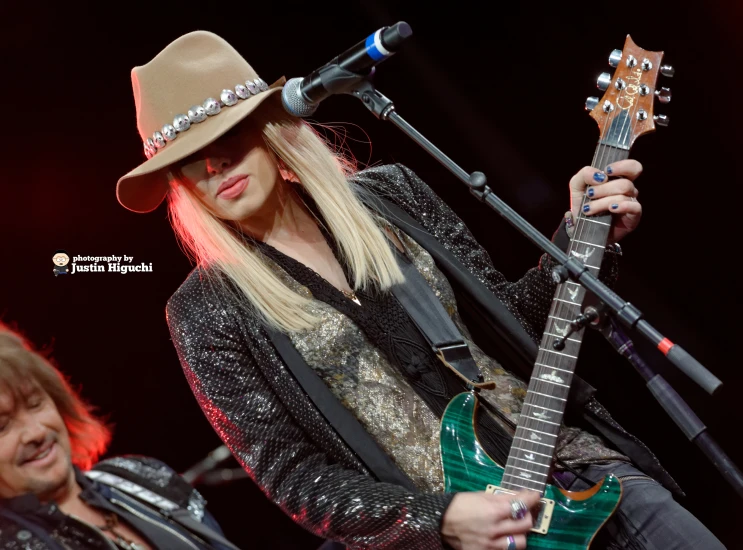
{"x":572,"y":521}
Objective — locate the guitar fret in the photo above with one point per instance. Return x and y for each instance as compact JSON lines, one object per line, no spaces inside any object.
{"x":553,"y":367}
{"x":526,"y":470}
{"x":522,"y":478}
{"x":522,"y":486}
{"x":590,"y":244}
{"x":540,"y":432}
{"x":554,"y":383}
{"x":540,"y":420}
{"x":567,"y":302}
{"x":532,"y":462}
{"x":532,"y":452}
{"x":559,"y":353}
{"x":569,"y":339}
{"x":540,"y":407}
{"x":560,"y":319}
{"x":596,"y":221}
{"x":547,"y":395}
{"x":534,"y":442}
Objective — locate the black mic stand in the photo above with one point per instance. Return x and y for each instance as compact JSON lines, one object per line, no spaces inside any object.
{"x":571,"y":268}
{"x":688,"y":422}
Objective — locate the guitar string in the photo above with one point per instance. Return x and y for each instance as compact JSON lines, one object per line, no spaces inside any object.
{"x":601,"y":150}
{"x":539,"y":400}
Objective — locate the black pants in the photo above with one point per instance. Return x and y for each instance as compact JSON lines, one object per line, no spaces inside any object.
{"x":647,"y":517}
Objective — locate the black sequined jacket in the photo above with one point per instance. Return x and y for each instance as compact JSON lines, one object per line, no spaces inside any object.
{"x":283,"y":442}
{"x":28,"y":524}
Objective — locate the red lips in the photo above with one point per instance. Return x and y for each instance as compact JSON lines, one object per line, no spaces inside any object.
{"x":229,"y":182}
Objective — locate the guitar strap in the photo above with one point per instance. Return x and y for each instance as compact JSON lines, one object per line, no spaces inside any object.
{"x":166,"y":507}
{"x":426,"y":311}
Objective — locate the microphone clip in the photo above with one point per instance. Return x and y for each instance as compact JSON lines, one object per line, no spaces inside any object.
{"x":590,"y":315}
{"x":374,"y":100}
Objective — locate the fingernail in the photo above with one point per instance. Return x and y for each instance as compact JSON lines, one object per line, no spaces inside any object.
{"x":586,"y":207}
{"x":609,"y":170}
{"x":599,"y":176}
{"x":590,"y":191}
{"x":569,"y":221}
{"x":614,"y":206}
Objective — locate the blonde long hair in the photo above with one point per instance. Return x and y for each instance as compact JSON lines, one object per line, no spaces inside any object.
{"x":323,"y":172}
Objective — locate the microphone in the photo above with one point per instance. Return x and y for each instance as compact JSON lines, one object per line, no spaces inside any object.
{"x":301,"y":96}
{"x":212,"y":460}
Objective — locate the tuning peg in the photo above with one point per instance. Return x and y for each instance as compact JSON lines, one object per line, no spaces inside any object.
{"x":667,"y":70}
{"x":661,"y":120}
{"x":591,"y":102}
{"x":663,"y":95}
{"x":603,"y":81}
{"x":615,"y":58}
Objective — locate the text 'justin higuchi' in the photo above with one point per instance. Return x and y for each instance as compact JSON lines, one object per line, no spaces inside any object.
{"x":97,"y":264}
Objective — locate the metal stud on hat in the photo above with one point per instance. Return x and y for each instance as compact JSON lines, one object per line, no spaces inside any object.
{"x":199,"y":113}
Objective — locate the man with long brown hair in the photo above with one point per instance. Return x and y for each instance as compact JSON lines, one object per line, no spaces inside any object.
{"x":53,"y":491}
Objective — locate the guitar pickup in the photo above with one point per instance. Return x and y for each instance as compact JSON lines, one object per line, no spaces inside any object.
{"x":544,"y":517}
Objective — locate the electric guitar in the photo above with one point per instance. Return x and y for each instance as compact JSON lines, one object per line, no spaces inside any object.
{"x":566,"y":520}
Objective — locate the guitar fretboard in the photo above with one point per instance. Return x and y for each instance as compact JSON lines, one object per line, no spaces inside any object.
{"x":530,"y":460}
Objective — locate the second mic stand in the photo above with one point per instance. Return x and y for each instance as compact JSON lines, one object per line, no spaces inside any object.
{"x":688,"y":422}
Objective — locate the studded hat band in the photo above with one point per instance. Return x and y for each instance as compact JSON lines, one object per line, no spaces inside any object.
{"x":199,"y":113}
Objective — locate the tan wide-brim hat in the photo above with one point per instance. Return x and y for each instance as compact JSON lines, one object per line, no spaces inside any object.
{"x":190,"y":94}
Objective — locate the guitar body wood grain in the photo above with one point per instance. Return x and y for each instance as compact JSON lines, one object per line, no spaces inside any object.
{"x":576,"y":516}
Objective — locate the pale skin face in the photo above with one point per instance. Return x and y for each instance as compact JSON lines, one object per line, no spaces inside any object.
{"x":61,"y":259}
{"x":259,"y":198}
{"x":35,"y":451}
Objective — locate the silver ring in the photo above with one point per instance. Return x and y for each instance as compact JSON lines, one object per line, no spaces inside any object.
{"x":518,"y":509}
{"x":511,"y":543}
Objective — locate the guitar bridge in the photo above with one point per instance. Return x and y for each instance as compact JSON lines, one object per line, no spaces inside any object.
{"x":544,"y":517}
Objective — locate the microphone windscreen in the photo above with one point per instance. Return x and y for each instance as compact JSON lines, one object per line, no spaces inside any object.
{"x":292,"y":100}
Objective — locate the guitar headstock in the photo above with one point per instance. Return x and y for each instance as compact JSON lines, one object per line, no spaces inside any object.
{"x":627,"y":109}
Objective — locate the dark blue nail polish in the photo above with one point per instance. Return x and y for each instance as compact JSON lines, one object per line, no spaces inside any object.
{"x":590,"y":191}
{"x":609,"y":170}
{"x":586,"y":207}
{"x":614,"y":206}
{"x":599,"y":176}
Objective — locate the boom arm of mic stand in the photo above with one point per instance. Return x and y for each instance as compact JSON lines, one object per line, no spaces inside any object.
{"x":571,"y":268}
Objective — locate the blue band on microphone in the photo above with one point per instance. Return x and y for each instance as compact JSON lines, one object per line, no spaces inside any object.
{"x":371,"y":48}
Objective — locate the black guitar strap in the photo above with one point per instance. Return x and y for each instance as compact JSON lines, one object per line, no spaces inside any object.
{"x":426,"y":311}
{"x":166,"y":507}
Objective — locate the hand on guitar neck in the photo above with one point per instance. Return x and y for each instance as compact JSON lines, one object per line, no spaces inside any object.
{"x":610,"y":189}
{"x":483,"y":521}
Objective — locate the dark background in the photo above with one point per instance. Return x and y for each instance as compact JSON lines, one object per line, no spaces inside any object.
{"x":499,"y":91}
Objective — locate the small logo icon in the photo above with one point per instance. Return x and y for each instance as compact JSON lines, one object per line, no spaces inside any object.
{"x":61,"y":260}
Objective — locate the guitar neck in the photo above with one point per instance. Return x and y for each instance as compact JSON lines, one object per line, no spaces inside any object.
{"x":530,"y":460}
